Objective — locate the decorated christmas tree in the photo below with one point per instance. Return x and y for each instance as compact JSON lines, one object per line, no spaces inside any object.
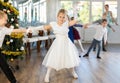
{"x":13,"y":45}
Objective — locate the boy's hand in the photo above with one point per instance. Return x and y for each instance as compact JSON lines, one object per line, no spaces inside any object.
{"x":105,"y":43}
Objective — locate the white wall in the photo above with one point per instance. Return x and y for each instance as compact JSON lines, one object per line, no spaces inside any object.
{"x":118,"y":13}
{"x":87,"y":35}
{"x":114,"y":37}
{"x":52,"y":9}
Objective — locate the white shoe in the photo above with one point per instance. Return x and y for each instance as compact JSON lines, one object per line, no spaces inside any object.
{"x":46,"y":79}
{"x":75,"y":75}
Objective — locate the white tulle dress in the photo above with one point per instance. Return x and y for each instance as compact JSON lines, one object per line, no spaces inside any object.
{"x":62,"y":53}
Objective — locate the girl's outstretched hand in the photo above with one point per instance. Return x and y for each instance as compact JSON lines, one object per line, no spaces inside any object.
{"x":86,"y":25}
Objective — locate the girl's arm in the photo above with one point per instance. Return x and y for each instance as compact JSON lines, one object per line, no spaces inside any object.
{"x":19,"y":30}
{"x":111,"y":27}
{"x":113,"y":18}
{"x":43,"y":27}
{"x":47,"y":27}
{"x":78,"y":25}
{"x":99,"y":21}
{"x":72,"y":22}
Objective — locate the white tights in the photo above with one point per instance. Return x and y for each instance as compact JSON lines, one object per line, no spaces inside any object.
{"x":74,"y":73}
{"x":49,"y":70}
{"x":79,"y":42}
{"x":47,"y":74}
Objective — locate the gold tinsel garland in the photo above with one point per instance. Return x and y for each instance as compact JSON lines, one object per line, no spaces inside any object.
{"x":13,"y":53}
{"x":17,"y":35}
{"x":16,"y":12}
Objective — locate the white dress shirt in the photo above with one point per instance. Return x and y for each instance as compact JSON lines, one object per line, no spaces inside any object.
{"x":4,"y":31}
{"x":100,"y":32}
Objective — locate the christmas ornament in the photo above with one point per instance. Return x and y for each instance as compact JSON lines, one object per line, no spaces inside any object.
{"x":22,"y":48}
{"x":7,"y":42}
{"x":17,"y":25}
{"x":11,"y":40}
{"x":12,"y":59}
{"x":12,"y":19}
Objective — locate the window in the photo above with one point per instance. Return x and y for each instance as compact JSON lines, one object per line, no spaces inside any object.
{"x":36,"y":12}
{"x":97,"y":10}
{"x":43,"y":16}
{"x":32,"y":13}
{"x":20,"y":12}
{"x":88,"y":10}
{"x":25,"y":14}
{"x":68,"y":6}
{"x":83,"y":11}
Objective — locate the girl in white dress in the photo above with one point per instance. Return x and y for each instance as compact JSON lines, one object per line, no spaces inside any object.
{"x":62,"y":53}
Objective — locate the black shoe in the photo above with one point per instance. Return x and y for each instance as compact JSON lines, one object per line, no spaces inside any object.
{"x":94,"y":49}
{"x":98,"y":57}
{"x":86,"y":55}
{"x":17,"y":82}
{"x":104,"y":50}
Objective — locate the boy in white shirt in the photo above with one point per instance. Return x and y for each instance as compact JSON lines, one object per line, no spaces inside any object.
{"x":3,"y":31}
{"x":101,"y":32}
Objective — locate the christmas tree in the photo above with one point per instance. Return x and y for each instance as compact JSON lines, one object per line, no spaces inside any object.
{"x":13,"y":45}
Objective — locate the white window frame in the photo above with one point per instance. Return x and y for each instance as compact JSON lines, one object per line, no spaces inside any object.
{"x":90,"y":14}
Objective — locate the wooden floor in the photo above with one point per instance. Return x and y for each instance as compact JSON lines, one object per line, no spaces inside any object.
{"x":90,"y":70}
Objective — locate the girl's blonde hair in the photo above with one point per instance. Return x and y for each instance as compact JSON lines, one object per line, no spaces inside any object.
{"x":62,"y":11}
{"x":2,"y":14}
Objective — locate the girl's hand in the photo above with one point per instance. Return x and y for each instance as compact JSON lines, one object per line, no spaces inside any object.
{"x":28,"y":30}
{"x":116,"y":23}
{"x":86,"y":25}
{"x":113,"y":30}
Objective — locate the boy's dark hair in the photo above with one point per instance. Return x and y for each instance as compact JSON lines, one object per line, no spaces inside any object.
{"x":107,"y":5}
{"x":72,"y":18}
{"x":104,"y":20}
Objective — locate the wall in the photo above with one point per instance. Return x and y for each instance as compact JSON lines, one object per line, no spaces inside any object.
{"x":87,"y":35}
{"x":52,"y":9}
{"x":118,"y":13}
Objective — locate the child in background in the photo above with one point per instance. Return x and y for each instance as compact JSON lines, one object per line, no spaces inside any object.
{"x":74,"y":34}
{"x":108,"y":25}
{"x":101,"y":32}
{"x":4,"y":31}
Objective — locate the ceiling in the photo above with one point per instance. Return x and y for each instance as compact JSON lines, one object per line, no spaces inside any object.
{"x":23,"y":1}
{"x":20,"y":1}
